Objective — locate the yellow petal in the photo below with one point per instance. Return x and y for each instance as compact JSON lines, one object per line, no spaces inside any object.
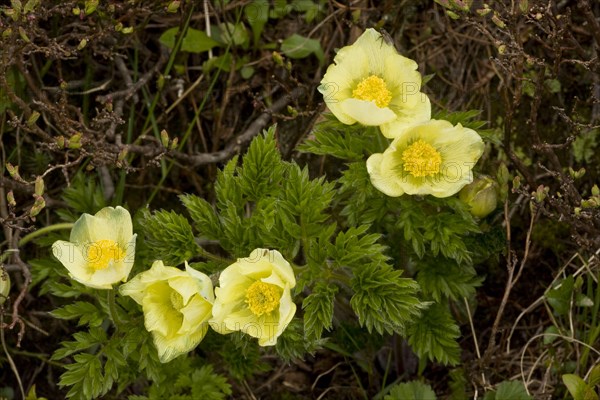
{"x":71,"y":257}
{"x":407,"y":117}
{"x":366,"y":112}
{"x":383,"y":179}
{"x":197,"y":312}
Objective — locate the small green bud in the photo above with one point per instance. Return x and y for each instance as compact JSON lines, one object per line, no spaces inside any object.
{"x":483,"y":11}
{"x":75,"y":141}
{"x":160,"y":82}
{"x":481,"y":195}
{"x":577,"y":211}
{"x":7,"y":33}
{"x":164,"y":138}
{"x":499,"y":23}
{"x":76,"y":11}
{"x":33,"y":118}
{"x":38,"y":206}
{"x":595,"y":191}
{"x":277,"y":58}
{"x":60,"y":141}
{"x":4,"y":286}
{"x":174,"y":144}
{"x":128,"y":30}
{"x":13,"y":171}
{"x":119,"y":27}
{"x":10,"y":198}
{"x":576,"y":174}
{"x":173,"y":6}
{"x":452,"y":14}
{"x":122,"y":154}
{"x":540,"y":193}
{"x":292,"y":111}
{"x":516,"y":183}
{"x":90,"y":6}
{"x":82,"y":44}
{"x":23,"y":35}
{"x":39,"y":186}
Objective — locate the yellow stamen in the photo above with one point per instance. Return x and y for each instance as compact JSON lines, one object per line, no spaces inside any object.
{"x":373,"y":88}
{"x":421,"y":159}
{"x":262,"y":298}
{"x":102,"y":253}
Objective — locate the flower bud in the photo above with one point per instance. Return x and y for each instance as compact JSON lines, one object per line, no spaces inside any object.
{"x":481,"y":196}
{"x":4,"y":286}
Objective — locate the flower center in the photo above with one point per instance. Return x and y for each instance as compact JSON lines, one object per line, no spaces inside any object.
{"x":421,"y":159}
{"x":176,"y":300}
{"x":262,"y":298}
{"x":373,"y":88}
{"x":102,"y":252}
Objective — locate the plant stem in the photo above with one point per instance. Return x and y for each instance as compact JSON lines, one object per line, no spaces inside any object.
{"x":112,"y":309}
{"x":42,"y":231}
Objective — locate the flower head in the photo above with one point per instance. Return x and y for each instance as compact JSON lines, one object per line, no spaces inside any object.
{"x":434,"y":158}
{"x":370,"y":83}
{"x":177,"y":306}
{"x":101,"y":249}
{"x":254,"y":297}
{"x":481,"y":196}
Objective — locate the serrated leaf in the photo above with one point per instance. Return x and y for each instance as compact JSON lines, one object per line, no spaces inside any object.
{"x":414,"y":390}
{"x":513,"y":390}
{"x":383,"y":300}
{"x":442,"y":278}
{"x":434,"y":335}
{"x":318,"y":310}
{"x":204,"y":215}
{"x":169,"y":236}
{"x":195,"y":41}
{"x":86,"y":312}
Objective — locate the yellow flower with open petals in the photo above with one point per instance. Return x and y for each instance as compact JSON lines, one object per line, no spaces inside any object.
{"x":254,"y":297}
{"x":370,"y":83}
{"x":433,"y":158}
{"x":101,"y":249}
{"x":177,"y":306}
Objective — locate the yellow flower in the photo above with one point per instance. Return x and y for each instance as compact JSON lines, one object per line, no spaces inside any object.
{"x":433,"y":158}
{"x":101,"y":249}
{"x":370,"y":83}
{"x":177,"y":306}
{"x":254,"y":297}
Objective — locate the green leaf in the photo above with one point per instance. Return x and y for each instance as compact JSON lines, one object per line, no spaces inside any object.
{"x":234,"y":34}
{"x":434,"y":335}
{"x":262,"y":169}
{"x":575,"y":385}
{"x":354,"y":248}
{"x":594,"y":378}
{"x":169,"y":236}
{"x":559,"y":297}
{"x":297,"y":46}
{"x":207,"y":385}
{"x":86,"y":312}
{"x":442,"y":278}
{"x":348,"y":142}
{"x":414,"y":390}
{"x":584,"y":146}
{"x":83,"y":340}
{"x":293,"y":344}
{"x":84,"y":376}
{"x":383,"y":300}
{"x":204,"y":215}
{"x":195,"y":41}
{"x":318,"y":309}
{"x":257,"y":14}
{"x":513,"y":390}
